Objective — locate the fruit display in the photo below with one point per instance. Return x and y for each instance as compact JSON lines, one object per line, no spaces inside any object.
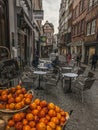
{"x":14,"y":98}
{"x":40,"y":115}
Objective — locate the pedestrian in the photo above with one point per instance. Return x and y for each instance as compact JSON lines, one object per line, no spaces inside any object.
{"x":94,"y":61}
{"x":35,"y":61}
{"x":68,"y":58}
{"x":79,"y":56}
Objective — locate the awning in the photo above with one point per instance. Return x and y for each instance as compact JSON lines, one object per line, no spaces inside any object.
{"x":90,"y":43}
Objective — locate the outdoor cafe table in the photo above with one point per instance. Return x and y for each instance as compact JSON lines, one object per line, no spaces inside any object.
{"x":39,"y":73}
{"x":67,"y":68}
{"x":70,"y":75}
{"x":43,"y":68}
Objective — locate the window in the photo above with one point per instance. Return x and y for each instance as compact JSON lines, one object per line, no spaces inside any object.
{"x":88,"y":28}
{"x":93,"y":27}
{"x":90,"y":3}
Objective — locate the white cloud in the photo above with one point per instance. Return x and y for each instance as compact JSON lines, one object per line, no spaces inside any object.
{"x":51,"y":12}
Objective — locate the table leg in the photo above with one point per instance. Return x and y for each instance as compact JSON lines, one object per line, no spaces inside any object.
{"x":69,"y":90}
{"x":39,"y":87}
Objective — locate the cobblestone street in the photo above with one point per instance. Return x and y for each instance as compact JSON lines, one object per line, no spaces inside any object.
{"x":85,"y":115}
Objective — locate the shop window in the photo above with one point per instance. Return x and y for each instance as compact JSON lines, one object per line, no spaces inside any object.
{"x":93,"y":27}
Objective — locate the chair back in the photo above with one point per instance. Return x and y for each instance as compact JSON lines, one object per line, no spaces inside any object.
{"x":90,"y":74}
{"x":88,"y":84}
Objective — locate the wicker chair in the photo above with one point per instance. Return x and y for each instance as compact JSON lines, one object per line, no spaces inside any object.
{"x":84,"y":85}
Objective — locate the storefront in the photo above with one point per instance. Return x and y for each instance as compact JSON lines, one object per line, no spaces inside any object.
{"x":4,"y":37}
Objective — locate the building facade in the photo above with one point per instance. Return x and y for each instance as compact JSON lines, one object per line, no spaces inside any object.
{"x":65,"y":23}
{"x":91,"y":30}
{"x":78,"y":27}
{"x":48,"y":32}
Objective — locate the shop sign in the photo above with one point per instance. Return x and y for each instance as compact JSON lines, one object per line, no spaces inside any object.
{"x":9,"y":70}
{"x":38,"y":14}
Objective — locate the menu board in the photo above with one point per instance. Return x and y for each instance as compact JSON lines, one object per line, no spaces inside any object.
{"x":9,"y":69}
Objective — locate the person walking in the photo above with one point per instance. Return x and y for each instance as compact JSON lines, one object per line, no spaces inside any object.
{"x":79,"y":56}
{"x":94,"y":61}
{"x":68,"y":58}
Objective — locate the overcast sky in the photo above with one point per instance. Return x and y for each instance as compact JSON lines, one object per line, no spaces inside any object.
{"x":51,"y":12}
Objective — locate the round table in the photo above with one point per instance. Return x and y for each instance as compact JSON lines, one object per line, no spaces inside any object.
{"x":70,"y":75}
{"x":39,"y":73}
{"x":43,"y":67}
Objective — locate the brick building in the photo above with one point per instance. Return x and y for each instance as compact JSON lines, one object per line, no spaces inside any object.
{"x":78,"y":26}
{"x":48,"y":32}
{"x":91,"y":31}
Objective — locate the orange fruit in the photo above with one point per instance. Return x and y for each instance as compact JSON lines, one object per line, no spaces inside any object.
{"x":26,"y":127}
{"x":21,"y":95}
{"x":37,"y":101}
{"x":18,"y":126}
{"x":11,"y":106}
{"x":18,"y":99}
{"x":58,"y":128}
{"x":43,"y":103}
{"x":55,"y":120}
{"x":51,"y":106}
{"x":25,"y":122}
{"x":38,"y":108}
{"x":11,"y":100}
{"x":33,"y":106}
{"x":51,"y":113}
{"x":11,"y":123}
{"x":57,"y":109}
{"x":58,"y":115}
{"x":32,"y":124}
{"x":18,"y":87}
{"x":41,"y":126}
{"x":17,"y":117}
{"x":29,"y":117}
{"x":4,"y":97}
{"x":36,"y":119}
{"x":42,"y":113}
{"x":19,"y":91}
{"x":9,"y":96}
{"x":48,"y":117}
{"x":33,"y":129}
{"x":49,"y":128}
{"x":23,"y":90}
{"x":35,"y":112}
{"x":22,"y":114}
{"x":52,"y":125}
{"x":18,"y":106}
{"x":27,"y":101}
{"x":1,"y":106}
{"x":30,"y":96}
{"x":63,"y":113}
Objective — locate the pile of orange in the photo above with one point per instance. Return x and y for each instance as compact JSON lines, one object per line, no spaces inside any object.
{"x":39,"y":116}
{"x":14,"y":98}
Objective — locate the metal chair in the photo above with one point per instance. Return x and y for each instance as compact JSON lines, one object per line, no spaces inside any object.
{"x":84,"y":85}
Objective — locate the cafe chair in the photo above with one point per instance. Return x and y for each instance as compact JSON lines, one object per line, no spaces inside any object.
{"x":82,"y":86}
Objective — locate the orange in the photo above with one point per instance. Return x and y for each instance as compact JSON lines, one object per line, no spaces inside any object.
{"x":11,"y":100}
{"x":24,"y":91}
{"x":35,"y":112}
{"x":26,"y":127}
{"x":18,"y":106}
{"x":63,"y":113}
{"x":38,"y":108}
{"x":43,"y":103}
{"x":33,"y":106}
{"x":42,"y":113}
{"x":37,"y":101}
{"x":51,"y":106}
{"x":11,"y":106}
{"x":51,"y":113}
{"x":58,"y":128}
{"x":58,"y":115}
{"x":18,"y":126}
{"x":17,"y":117}
{"x":32,"y":124}
{"x":57,"y":109}
{"x":22,"y":114}
{"x":41,"y":126}
{"x":49,"y":128}
{"x":29,"y":117}
{"x":55,"y":120}
{"x":27,"y":101}
{"x":25,"y":122}
{"x":52,"y":125}
{"x":18,"y":87}
{"x":11,"y":123}
{"x":18,"y":99}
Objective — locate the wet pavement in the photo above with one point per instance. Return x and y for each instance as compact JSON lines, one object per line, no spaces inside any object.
{"x":85,"y":115}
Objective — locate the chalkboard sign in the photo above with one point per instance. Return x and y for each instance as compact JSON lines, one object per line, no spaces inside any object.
{"x":9,"y":70}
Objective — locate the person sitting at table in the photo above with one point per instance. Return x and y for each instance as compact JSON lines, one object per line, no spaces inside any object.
{"x":55,"y":63}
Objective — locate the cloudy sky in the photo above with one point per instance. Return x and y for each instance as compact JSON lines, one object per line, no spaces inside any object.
{"x":51,"y":12}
